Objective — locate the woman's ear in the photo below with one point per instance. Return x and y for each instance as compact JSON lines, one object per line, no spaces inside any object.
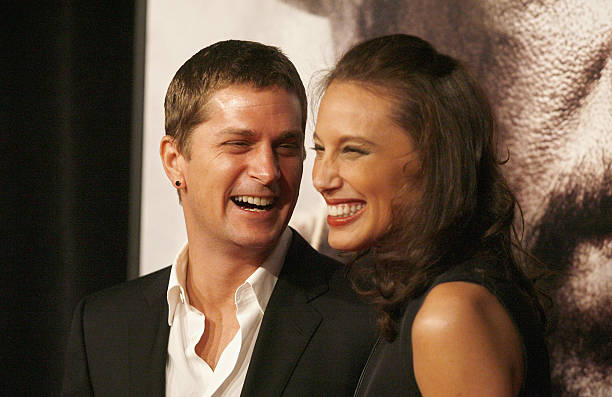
{"x":171,"y":158}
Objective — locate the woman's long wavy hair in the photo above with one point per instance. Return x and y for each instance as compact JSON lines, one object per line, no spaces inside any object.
{"x":466,"y":209}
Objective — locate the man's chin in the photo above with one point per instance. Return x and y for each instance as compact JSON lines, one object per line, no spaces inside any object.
{"x":580,"y":346}
{"x":573,"y":239}
{"x":257,"y":239}
{"x":580,"y":349}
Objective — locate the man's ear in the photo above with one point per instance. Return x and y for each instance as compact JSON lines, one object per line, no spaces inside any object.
{"x":172,"y":160}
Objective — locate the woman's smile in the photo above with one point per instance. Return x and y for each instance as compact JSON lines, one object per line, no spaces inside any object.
{"x":344,"y":213}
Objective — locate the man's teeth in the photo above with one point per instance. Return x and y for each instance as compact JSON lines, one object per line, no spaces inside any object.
{"x":261,"y":201}
{"x":343,"y":210}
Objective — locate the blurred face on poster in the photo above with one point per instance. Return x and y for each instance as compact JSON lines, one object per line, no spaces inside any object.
{"x":546,"y":68}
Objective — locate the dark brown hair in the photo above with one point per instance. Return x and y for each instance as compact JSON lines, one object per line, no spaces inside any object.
{"x":231,"y":62}
{"x":466,"y":208}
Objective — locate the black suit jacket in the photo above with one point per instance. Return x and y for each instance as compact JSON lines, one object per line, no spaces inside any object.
{"x":314,"y":338}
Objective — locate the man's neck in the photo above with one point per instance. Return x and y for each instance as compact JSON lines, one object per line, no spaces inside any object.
{"x":213,"y":281}
{"x":215,"y":272}
{"x":212,"y":278}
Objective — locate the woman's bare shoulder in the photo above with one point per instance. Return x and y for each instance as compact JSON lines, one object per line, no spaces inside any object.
{"x":463,"y":332}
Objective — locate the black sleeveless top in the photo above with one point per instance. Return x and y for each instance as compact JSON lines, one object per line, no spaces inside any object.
{"x":389,"y":370}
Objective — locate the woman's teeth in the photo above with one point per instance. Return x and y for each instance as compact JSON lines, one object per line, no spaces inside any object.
{"x":344,"y":210}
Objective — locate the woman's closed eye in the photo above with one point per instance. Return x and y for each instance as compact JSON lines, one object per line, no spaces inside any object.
{"x":317,"y":147}
{"x":355,"y":150}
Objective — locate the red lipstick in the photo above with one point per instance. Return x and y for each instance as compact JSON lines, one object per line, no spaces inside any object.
{"x":337,"y":221}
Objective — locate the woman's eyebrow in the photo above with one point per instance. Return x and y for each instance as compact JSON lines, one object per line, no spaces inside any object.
{"x":352,"y":138}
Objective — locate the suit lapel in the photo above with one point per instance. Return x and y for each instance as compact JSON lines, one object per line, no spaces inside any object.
{"x":287,"y":327}
{"x":148,"y":333}
{"x":288,"y":323}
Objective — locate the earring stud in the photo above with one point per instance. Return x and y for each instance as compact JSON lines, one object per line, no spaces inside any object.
{"x":177,"y":183}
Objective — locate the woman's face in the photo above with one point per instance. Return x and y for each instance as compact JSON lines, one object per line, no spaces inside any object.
{"x":362,"y":160}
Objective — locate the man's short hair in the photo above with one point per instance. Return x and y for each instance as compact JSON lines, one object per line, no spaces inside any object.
{"x":223,"y":64}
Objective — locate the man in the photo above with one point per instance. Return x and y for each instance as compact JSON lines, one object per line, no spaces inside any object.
{"x":248,"y":308}
{"x":546,"y":66}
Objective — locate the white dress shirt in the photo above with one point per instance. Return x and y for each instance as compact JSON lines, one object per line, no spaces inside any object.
{"x":186,"y":373}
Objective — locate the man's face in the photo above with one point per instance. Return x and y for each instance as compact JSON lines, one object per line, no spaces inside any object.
{"x":243,"y":173}
{"x":546,"y":67}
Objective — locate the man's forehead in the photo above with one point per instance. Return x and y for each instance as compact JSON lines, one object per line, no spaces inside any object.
{"x":247,"y":111}
{"x":240,"y":97}
{"x":236,"y":90}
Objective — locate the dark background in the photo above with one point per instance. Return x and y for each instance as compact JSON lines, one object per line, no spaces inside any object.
{"x":67,"y":141}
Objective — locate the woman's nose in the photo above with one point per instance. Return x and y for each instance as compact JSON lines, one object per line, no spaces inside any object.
{"x":325,"y":175}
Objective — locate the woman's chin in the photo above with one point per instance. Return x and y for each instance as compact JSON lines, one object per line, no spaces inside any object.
{"x":348,"y":243}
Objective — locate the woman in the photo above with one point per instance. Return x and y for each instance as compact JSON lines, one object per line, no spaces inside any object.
{"x":405,"y":159}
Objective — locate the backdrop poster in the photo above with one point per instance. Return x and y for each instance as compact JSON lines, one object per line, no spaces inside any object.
{"x":546,"y":67}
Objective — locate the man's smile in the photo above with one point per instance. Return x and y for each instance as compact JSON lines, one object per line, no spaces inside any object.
{"x":254,"y":203}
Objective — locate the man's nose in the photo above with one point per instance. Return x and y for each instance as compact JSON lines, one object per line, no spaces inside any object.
{"x":264,"y":165}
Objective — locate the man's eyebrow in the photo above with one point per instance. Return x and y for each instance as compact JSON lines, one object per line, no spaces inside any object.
{"x":246,"y":133}
{"x":236,"y":131}
{"x":288,"y":135}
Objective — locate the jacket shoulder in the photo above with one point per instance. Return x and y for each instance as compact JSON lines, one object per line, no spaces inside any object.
{"x":151,"y":287}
